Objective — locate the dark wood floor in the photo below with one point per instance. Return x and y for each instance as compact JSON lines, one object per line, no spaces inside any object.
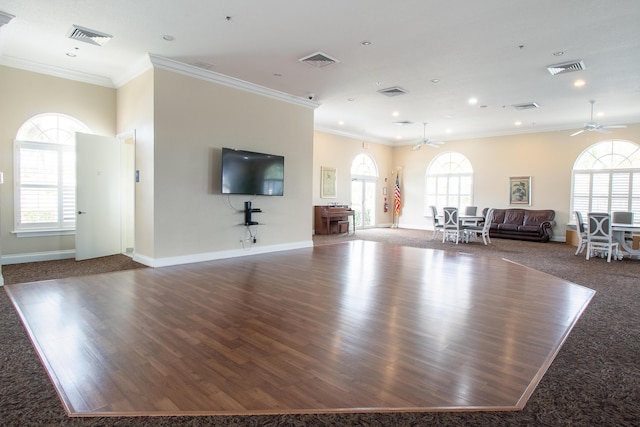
{"x":352,"y":327}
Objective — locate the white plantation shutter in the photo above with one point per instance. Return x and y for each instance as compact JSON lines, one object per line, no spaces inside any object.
{"x":45,"y":173}
{"x":448,"y":182}
{"x":606,"y":178}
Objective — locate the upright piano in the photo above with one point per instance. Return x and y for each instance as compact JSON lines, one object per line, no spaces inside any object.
{"x":333,"y":219}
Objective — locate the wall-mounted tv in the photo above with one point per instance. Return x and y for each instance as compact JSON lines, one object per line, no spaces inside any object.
{"x":247,"y":172}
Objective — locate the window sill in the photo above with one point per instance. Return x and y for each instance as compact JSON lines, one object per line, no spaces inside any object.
{"x":43,"y":232}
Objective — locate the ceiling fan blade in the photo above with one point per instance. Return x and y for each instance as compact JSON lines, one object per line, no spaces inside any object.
{"x":417,"y":147}
{"x":578,"y":132}
{"x":602,"y":130}
{"x":615,"y":126}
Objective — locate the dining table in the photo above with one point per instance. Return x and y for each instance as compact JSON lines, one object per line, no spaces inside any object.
{"x":618,"y":231}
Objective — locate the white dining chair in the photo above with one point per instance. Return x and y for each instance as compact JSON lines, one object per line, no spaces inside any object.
{"x":452,"y":228}
{"x":474,"y":231}
{"x":437,"y":226}
{"x":600,"y":237}
{"x":581,"y":231}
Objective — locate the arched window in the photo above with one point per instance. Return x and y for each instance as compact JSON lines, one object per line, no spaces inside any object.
{"x":448,"y":182}
{"x":45,"y":173}
{"x":364,"y":182}
{"x":606,"y":178}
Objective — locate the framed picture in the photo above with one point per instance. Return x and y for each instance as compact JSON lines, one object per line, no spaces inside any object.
{"x":328,"y":188}
{"x":520,"y":190}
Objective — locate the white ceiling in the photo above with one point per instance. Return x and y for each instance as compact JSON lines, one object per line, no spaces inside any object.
{"x":494,"y":50}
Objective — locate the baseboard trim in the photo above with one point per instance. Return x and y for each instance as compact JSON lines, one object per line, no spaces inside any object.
{"x":37,"y":257}
{"x":212,"y":256}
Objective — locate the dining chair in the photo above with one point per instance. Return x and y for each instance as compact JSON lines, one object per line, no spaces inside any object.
{"x":437,"y":226}
{"x":624,"y":218}
{"x":451,"y":227}
{"x":600,"y":237}
{"x":480,"y":230}
{"x":581,"y":231}
{"x":470,"y":210}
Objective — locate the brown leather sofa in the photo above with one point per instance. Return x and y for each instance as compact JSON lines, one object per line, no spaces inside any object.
{"x":522,"y":224}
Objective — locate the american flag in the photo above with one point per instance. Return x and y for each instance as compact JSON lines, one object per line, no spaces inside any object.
{"x":396,"y":197}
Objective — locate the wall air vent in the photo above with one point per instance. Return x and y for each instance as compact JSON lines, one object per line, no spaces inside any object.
{"x":318,"y":60}
{"x":565,"y":67}
{"x":526,"y":106}
{"x":89,"y":36}
{"x":393,"y":91}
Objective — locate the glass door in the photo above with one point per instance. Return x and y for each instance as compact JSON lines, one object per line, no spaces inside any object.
{"x":363,"y":202}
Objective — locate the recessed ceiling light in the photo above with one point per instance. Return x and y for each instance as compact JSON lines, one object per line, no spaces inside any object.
{"x":435,"y":80}
{"x":168,"y":37}
{"x":366,"y":43}
{"x":71,"y":55}
{"x":277,"y":75}
{"x":395,"y":114}
{"x":558,"y":53}
{"x":341,"y":123}
{"x":447,"y":131}
{"x":517,"y":123}
{"x":473,"y":101}
{"x":579,"y":83}
{"x":351,"y":99}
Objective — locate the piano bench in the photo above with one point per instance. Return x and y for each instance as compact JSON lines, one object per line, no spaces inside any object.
{"x":343,"y":226}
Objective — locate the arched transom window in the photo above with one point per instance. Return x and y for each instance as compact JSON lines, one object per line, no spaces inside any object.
{"x":448,"y":182}
{"x":45,"y":173}
{"x":606,"y":178}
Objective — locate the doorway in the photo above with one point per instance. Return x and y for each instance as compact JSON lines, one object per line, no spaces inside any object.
{"x":364,"y":182}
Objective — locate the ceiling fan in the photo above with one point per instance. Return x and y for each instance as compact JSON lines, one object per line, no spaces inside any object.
{"x":593,"y":126}
{"x":425,"y":141}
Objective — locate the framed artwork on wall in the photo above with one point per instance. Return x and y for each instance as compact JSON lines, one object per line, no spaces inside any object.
{"x":328,"y":187}
{"x":520,"y":190}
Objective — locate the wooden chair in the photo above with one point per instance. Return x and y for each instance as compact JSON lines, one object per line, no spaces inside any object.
{"x":451,"y":227}
{"x":581,"y":231}
{"x":437,"y":226}
{"x":599,"y":236}
{"x":483,"y":230}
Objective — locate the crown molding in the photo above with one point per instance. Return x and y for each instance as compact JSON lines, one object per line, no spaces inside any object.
{"x":63,"y":73}
{"x":211,"y":76}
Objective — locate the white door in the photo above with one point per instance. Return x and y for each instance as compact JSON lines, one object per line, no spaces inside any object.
{"x":98,"y":198}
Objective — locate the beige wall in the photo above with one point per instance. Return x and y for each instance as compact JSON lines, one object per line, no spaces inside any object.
{"x":547,"y":157}
{"x":136,"y":115}
{"x":339,"y":152}
{"x":24,"y":94}
{"x":193,"y":120}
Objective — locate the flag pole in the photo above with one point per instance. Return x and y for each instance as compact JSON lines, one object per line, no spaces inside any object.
{"x":397,"y":201}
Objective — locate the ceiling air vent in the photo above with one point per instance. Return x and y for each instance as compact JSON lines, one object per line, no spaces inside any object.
{"x":318,"y":60}
{"x":89,"y":36}
{"x":403,"y":123}
{"x":565,"y":67}
{"x":525,"y":106}
{"x":393,"y":91}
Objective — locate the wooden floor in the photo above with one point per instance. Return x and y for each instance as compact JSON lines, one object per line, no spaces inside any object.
{"x":351,"y":327}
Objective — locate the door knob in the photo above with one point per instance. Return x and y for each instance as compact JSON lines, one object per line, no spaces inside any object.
{"x":81,"y":212}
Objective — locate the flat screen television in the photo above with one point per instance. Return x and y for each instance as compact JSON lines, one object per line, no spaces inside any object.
{"x":247,"y":172}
